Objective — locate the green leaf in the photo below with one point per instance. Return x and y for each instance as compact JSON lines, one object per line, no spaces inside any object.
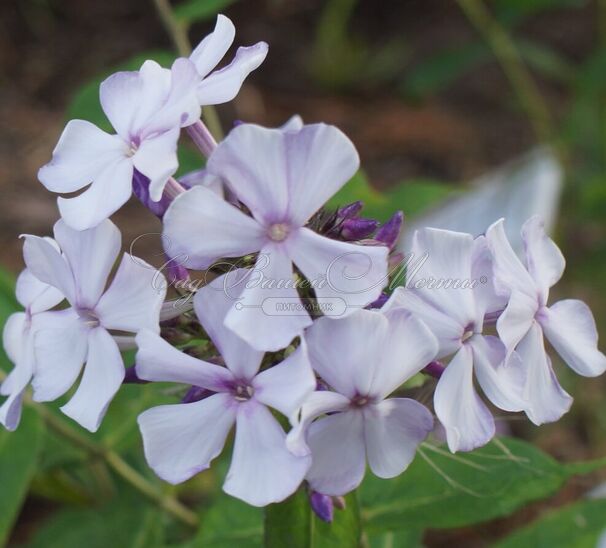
{"x":288,"y":523}
{"x":200,"y":10}
{"x":463,"y":489}
{"x":18,"y":457}
{"x":579,"y":525}
{"x":397,"y":539}
{"x":345,"y":531}
{"x":513,"y":12}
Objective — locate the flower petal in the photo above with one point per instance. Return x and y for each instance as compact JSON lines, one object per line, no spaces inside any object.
{"x":45,"y":262}
{"x":355,"y":274}
{"x":393,"y":430}
{"x":468,"y":422}
{"x":223,"y":85}
{"x":134,"y":299}
{"x":181,"y":440}
{"x":102,"y":377}
{"x":501,"y":376}
{"x":286,"y":386}
{"x":544,"y":260}
{"x":34,"y":294}
{"x":321,"y":160}
{"x":487,"y":300}
{"x":409,"y":346}
{"x":338,"y":453}
{"x":547,"y":400}
{"x":158,"y":361}
{"x":516,"y":319}
{"x":262,"y":469}
{"x":81,"y":155}
{"x":346,"y":352}
{"x":212,"y":304}
{"x":156,"y":158}
{"x":60,"y":352}
{"x":570,"y":328}
{"x":256,"y":317}
{"x":90,"y":254}
{"x":212,"y":48}
{"x":13,"y":333}
{"x":120,"y":96}
{"x":109,"y":192}
{"x":200,"y":227}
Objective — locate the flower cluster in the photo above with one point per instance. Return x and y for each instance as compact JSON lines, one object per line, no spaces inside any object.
{"x":303,"y":335}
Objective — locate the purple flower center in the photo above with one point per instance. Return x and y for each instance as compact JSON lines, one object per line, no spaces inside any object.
{"x":243,"y":391}
{"x":278,"y":232}
{"x":88,"y":317}
{"x":360,"y":401}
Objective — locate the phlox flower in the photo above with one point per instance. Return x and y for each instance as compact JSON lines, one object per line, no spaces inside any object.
{"x":80,"y":333}
{"x":363,"y":358}
{"x":282,"y":176}
{"x":568,"y":325}
{"x":36,"y":298}
{"x":452,"y":292}
{"x":181,"y":440}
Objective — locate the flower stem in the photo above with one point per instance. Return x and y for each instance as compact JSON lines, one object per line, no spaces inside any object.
{"x":177,"y":30}
{"x":202,"y":138}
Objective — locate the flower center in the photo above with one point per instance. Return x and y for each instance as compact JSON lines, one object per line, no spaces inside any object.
{"x":360,"y":401}
{"x":467,"y":335}
{"x":243,"y":392}
{"x":278,"y":232}
{"x":88,"y":317}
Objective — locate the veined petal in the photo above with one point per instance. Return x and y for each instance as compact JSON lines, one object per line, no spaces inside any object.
{"x":262,"y":469}
{"x":90,"y":254}
{"x":286,"y":386}
{"x":156,"y":158}
{"x":109,"y":192}
{"x":516,"y":319}
{"x":501,"y":376}
{"x":134,"y":298}
{"x":181,"y":440}
{"x":409,"y":346}
{"x":158,"y":361}
{"x":338,"y":453}
{"x":81,"y":155}
{"x":120,"y":97}
{"x":547,"y":401}
{"x":269,"y":284}
{"x":213,"y":47}
{"x":321,"y":160}
{"x":316,"y":404}
{"x":34,"y":294}
{"x":223,"y":85}
{"x":47,"y":265}
{"x":468,"y":422}
{"x":393,"y":429}
{"x":212,"y":303}
{"x":353,"y":273}
{"x":200,"y":227}
{"x":60,"y":352}
{"x":570,"y":328}
{"x":102,"y":377}
{"x":346,"y":352}
{"x":544,"y":260}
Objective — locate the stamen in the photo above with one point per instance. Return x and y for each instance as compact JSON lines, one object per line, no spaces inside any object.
{"x":243,"y":392}
{"x":278,"y":232}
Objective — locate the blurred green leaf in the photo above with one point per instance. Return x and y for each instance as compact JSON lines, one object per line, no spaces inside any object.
{"x":463,"y":489}
{"x":191,"y":11}
{"x":579,"y":525}
{"x":345,"y":530}
{"x":19,"y":452}
{"x":546,"y":61}
{"x":397,"y":539}
{"x":288,"y":523}
{"x":513,"y":12}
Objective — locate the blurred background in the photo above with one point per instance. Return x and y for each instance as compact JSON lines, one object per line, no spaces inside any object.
{"x":433,"y":93}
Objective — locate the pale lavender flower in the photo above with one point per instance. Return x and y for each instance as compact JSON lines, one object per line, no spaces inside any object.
{"x":363,"y":358}
{"x":568,"y":325}
{"x":147,"y":108}
{"x":36,"y":297}
{"x":181,"y":440}
{"x":452,"y":292}
{"x":283,"y":176}
{"x":80,"y":333}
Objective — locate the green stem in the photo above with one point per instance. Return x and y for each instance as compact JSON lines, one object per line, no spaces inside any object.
{"x":506,"y":53}
{"x":177,"y":30}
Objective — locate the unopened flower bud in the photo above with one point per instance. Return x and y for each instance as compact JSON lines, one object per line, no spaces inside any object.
{"x":358,"y":229}
{"x":390,"y":231}
{"x":322,"y":505}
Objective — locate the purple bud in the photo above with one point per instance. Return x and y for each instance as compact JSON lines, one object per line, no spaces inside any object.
{"x":358,"y":229}
{"x":195,"y":393}
{"x":383,"y":298}
{"x":322,"y":506}
{"x":175,"y":271}
{"x":131,"y":377}
{"x":141,"y":190}
{"x":351,"y":210}
{"x":434,"y":369}
{"x":389,"y":232}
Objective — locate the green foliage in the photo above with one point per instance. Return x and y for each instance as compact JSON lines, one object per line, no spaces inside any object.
{"x":512,"y":12}
{"x":191,"y":11}
{"x":579,"y":525}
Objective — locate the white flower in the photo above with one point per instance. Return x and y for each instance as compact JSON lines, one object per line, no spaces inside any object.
{"x":80,"y":333}
{"x":568,"y":325}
